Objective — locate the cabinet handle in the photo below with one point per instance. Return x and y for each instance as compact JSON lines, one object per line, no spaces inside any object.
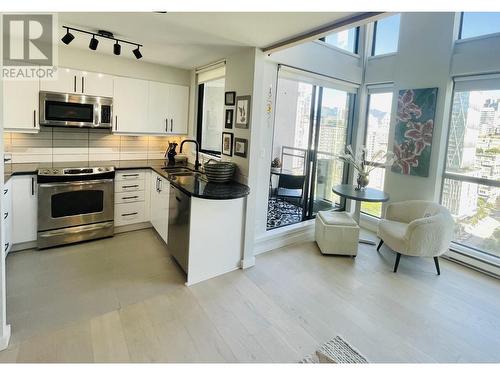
{"x":178,"y":199}
{"x":5,"y":191}
{"x":130,"y":186}
{"x":130,"y":214}
{"x":116,"y":122}
{"x":5,"y":215}
{"x":32,"y":185}
{"x":74,"y":84}
{"x":83,"y":84}
{"x":171,"y":124}
{"x":7,"y":246}
{"x":131,"y":175}
{"x":134,"y":197}
{"x":166,"y":125}
{"x":34,"y":118}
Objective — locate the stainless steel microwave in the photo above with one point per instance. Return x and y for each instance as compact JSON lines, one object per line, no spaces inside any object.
{"x":75,"y":110}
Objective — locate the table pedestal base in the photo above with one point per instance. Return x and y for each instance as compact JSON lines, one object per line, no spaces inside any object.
{"x":356,"y":217}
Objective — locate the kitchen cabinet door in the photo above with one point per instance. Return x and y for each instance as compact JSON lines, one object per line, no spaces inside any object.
{"x":20,"y":106}
{"x":158,"y":108}
{"x":160,"y":190}
{"x":24,"y":209}
{"x":7,"y":217}
{"x":178,"y":106}
{"x":96,"y":84}
{"x":130,"y":105}
{"x":67,"y":81}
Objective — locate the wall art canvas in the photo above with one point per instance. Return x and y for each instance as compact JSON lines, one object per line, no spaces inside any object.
{"x":413,"y":133}
{"x":243,"y":111}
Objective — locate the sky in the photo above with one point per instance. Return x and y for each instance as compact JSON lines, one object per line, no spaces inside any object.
{"x":480,"y":23}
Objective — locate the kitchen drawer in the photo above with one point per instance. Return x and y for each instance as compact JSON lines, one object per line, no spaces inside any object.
{"x":130,"y":213}
{"x":127,"y":186}
{"x":130,"y":175}
{"x":129,"y":197}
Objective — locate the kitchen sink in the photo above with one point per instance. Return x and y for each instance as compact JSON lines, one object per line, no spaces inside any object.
{"x":176,"y":169}
{"x":186,"y":174}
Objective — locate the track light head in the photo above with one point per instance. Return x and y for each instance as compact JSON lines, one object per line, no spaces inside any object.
{"x":68,"y":38}
{"x":93,"y":43}
{"x":117,"y":49}
{"x":137,"y":53}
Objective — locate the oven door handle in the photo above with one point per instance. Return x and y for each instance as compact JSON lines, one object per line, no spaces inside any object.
{"x":73,"y":183}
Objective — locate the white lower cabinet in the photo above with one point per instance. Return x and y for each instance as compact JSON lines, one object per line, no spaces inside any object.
{"x":24,"y":208}
{"x":160,"y":191}
{"x":7,"y":217}
{"x":131,"y":197}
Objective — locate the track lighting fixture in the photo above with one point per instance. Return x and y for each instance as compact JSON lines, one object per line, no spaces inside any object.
{"x":94,"y":42}
{"x":137,"y":53}
{"x":66,"y":39}
{"x":117,"y":49}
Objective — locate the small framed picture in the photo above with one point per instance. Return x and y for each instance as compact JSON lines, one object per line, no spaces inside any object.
{"x":227,"y":144}
{"x":229,"y":118}
{"x":230,"y":98}
{"x":242,"y":111}
{"x":240,"y":147}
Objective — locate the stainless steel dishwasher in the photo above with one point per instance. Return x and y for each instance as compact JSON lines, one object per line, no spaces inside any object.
{"x":178,"y":226}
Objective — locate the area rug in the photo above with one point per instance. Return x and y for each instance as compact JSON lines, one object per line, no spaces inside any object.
{"x":335,"y":351}
{"x":280,"y":213}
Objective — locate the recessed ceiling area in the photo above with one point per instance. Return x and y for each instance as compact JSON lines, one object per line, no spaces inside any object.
{"x":188,"y":40}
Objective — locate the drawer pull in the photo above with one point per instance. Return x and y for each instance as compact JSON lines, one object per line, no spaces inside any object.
{"x":7,"y":246}
{"x":131,"y":175}
{"x":5,"y":215}
{"x":130,"y":186}
{"x":130,"y":214}
{"x":5,"y":191}
{"x":134,"y":197}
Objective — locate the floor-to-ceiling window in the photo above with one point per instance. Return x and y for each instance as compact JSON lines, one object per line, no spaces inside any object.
{"x":378,"y":119}
{"x":471,"y":182}
{"x":312,"y":125}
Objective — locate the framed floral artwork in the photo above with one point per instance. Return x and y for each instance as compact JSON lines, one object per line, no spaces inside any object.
{"x":243,"y":111}
{"x":413,"y":133}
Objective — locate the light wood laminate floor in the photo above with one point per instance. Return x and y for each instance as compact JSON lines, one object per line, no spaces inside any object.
{"x":123,"y":300}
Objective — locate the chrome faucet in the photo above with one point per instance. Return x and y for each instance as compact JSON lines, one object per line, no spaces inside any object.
{"x":197,"y":162}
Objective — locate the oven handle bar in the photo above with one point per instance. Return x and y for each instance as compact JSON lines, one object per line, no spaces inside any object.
{"x":74,"y":183}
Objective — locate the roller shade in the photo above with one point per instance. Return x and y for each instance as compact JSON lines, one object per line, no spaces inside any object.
{"x":380,"y":88}
{"x":300,"y":75}
{"x":478,"y":82}
{"x":211,"y":72}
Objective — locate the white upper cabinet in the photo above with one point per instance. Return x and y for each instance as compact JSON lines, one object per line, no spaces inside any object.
{"x":97,"y":84}
{"x":178,"y":109}
{"x":66,"y":81}
{"x":130,"y":105}
{"x":79,"y":82}
{"x":158,"y":113}
{"x":168,"y":108}
{"x":20,"y":106}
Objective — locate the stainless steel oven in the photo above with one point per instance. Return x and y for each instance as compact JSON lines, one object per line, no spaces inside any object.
{"x":75,"y":110}
{"x":75,"y":204}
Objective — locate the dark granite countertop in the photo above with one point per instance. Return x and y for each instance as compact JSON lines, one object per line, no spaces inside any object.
{"x":197,"y":187}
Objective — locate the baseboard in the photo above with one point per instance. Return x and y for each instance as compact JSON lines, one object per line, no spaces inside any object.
{"x":132,"y":227}
{"x":23,"y":246}
{"x":280,"y":237}
{"x":248,"y":262}
{"x":5,"y":338}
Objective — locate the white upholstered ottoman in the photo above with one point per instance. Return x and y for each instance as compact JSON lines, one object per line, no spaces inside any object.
{"x":336,"y":233}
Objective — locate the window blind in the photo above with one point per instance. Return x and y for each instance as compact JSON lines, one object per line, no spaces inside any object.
{"x":477,"y":83}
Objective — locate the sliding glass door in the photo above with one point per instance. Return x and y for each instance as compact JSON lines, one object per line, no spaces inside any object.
{"x":312,"y":126}
{"x":331,"y":138}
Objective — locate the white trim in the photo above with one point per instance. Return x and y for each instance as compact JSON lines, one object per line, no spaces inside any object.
{"x":479,"y":37}
{"x":247,"y":262}
{"x":4,"y":340}
{"x":337,"y":49}
{"x":373,"y":57}
{"x":211,"y":66}
{"x":276,"y":238}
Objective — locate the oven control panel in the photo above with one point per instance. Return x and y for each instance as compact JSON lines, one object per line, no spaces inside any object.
{"x":75,"y":171}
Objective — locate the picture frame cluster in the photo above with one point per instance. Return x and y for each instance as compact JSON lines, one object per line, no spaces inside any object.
{"x":239,"y":116}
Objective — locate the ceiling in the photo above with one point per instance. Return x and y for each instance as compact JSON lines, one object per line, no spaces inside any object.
{"x":189,"y":40}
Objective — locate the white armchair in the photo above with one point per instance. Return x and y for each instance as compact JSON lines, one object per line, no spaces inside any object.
{"x":416,"y":228}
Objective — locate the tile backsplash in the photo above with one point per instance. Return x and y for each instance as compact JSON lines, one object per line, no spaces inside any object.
{"x":64,"y":144}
